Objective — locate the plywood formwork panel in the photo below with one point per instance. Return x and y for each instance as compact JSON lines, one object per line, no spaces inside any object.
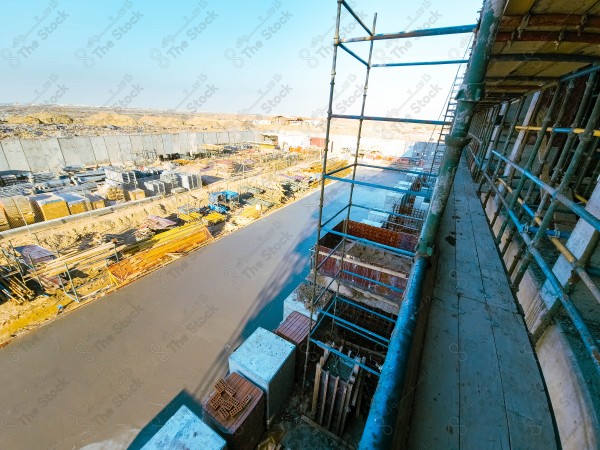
{"x":14,"y":154}
{"x":100,"y":150}
{"x":561,"y":7}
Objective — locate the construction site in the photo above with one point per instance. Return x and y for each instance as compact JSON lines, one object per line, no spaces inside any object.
{"x":281,"y":282}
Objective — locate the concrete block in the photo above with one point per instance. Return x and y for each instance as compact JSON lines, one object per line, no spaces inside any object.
{"x":100,"y":150}
{"x":53,"y":154}
{"x":14,"y":154}
{"x":34,"y":153}
{"x":167,"y":140}
{"x":125,"y":146}
{"x":113,"y":150}
{"x":3,"y":161}
{"x":157,"y":142}
{"x":185,"y":430}
{"x":269,"y":362}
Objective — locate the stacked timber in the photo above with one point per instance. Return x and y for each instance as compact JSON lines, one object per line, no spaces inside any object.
{"x":12,"y":288}
{"x":115,"y":193}
{"x":49,"y":206}
{"x":75,"y":260}
{"x":159,"y":250}
{"x":4,"y":225}
{"x":18,"y":211}
{"x":134,"y":194}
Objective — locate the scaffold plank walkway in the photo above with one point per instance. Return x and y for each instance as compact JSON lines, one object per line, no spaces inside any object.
{"x":479,"y":384}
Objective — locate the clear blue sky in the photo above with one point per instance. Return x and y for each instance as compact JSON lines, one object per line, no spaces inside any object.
{"x":270,"y":56}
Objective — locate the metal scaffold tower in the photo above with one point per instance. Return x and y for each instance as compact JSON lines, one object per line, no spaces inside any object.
{"x":339,"y":224}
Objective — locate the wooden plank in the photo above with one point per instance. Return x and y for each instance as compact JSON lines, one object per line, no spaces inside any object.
{"x":483,"y":422}
{"x":313,"y":412}
{"x":524,"y":396}
{"x":324,"y":396}
{"x":334,"y":399}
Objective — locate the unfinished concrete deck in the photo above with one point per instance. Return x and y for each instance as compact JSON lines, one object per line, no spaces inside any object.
{"x":479,"y":384}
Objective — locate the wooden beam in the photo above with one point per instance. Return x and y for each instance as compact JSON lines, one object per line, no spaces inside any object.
{"x":549,"y":36}
{"x":552,"y":20}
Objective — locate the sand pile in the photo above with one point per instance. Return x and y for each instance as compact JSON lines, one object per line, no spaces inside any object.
{"x":23,"y":120}
{"x":161,"y":122}
{"x":103,"y":119}
{"x":49,"y":118}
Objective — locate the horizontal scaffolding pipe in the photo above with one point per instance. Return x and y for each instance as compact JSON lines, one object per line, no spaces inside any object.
{"x":404,"y":216}
{"x":561,"y":296}
{"x":413,"y":34}
{"x":574,"y":207}
{"x":415,"y":172}
{"x":390,"y":119}
{"x":356,"y":305}
{"x":564,"y":130}
{"x":371,"y":280}
{"x":371,"y":243}
{"x":357,"y":328}
{"x":421,"y":63}
{"x":424,"y":194}
{"x":343,"y":356}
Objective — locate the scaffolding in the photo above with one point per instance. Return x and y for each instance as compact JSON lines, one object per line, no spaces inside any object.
{"x":333,"y":260}
{"x":536,"y":193}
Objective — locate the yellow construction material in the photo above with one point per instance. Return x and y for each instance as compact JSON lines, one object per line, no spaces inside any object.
{"x":213,"y":218}
{"x":163,"y":247}
{"x":18,"y":210}
{"x":135,"y":194}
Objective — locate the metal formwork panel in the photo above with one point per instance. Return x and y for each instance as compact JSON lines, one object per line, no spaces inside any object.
{"x":100,"y":150}
{"x":34,"y":154}
{"x":157,"y":143}
{"x":113,"y":149}
{"x":3,"y":161}
{"x":14,"y":155}
{"x":125,"y":146}
{"x":167,"y":144}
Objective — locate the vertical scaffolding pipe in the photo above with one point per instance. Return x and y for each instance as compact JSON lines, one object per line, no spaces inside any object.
{"x":355,"y":163}
{"x":383,"y":415}
{"x":584,"y":140}
{"x":336,"y":39}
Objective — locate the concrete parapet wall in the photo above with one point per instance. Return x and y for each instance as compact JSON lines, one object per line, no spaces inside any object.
{"x":37,"y":155}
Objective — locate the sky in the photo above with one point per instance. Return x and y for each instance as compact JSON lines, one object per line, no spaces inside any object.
{"x":256,"y":57}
